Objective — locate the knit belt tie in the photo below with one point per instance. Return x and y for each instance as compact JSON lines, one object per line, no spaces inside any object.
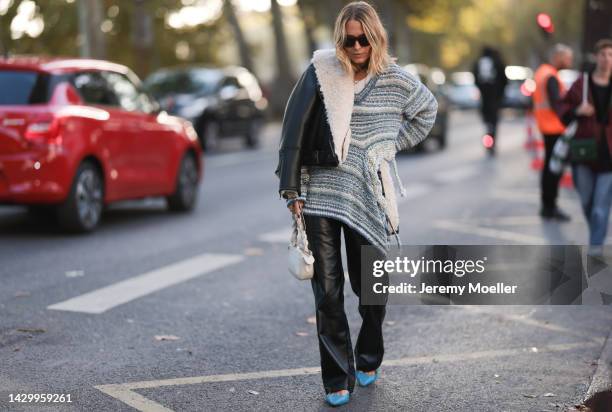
{"x":374,"y":167}
{"x":402,"y":189}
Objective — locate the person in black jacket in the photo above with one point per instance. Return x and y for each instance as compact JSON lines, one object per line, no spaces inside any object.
{"x":490,"y":78}
{"x":336,"y":156}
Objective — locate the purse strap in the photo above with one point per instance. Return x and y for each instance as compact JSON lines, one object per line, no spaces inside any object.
{"x":299,"y":234}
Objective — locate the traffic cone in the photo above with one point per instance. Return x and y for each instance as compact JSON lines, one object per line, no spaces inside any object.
{"x":537,"y":157}
{"x":566,"y":180}
{"x":530,"y":141}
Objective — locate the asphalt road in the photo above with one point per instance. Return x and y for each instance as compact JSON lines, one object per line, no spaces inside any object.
{"x":197,"y":312}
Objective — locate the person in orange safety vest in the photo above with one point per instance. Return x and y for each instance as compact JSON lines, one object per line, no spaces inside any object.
{"x":546,"y":103}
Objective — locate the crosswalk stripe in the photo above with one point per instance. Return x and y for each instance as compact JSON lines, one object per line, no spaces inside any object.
{"x":278,"y":236}
{"x":473,"y":229}
{"x":126,"y":392}
{"x":457,"y":174}
{"x":103,"y":299}
{"x":414,"y":190}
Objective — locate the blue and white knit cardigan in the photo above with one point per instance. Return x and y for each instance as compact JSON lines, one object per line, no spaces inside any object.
{"x":393,"y":112}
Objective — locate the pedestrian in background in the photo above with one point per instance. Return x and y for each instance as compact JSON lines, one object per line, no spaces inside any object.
{"x":490,"y":77}
{"x":593,"y":178}
{"x":350,"y":112}
{"x":547,"y":103}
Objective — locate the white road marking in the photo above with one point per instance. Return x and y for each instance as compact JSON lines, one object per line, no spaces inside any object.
{"x":455,"y":175}
{"x":414,"y":190}
{"x":278,"y":236}
{"x":240,"y":158}
{"x":103,"y":299}
{"x":125,"y":392}
{"x":133,"y":399}
{"x":528,"y":220}
{"x":488,"y":232}
{"x":517,"y":196}
{"x":528,"y":320}
{"x":571,"y":201}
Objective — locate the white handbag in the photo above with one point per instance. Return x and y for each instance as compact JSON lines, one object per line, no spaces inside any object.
{"x":301,"y":260}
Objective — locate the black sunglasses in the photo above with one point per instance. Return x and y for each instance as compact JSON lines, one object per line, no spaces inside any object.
{"x":350,"y":41}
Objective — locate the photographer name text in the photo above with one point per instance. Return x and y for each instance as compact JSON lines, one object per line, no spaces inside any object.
{"x":406,"y":288}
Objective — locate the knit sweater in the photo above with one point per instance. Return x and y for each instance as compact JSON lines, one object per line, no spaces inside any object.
{"x":394,"y":111}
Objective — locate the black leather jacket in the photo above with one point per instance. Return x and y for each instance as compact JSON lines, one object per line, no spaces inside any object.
{"x":306,"y":137}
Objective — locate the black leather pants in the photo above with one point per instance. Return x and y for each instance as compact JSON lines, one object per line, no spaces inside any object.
{"x":337,"y":360}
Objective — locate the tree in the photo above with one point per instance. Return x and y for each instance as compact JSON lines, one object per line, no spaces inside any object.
{"x":597,"y":23}
{"x":308,"y":19}
{"x":142,"y":36}
{"x":284,"y":74}
{"x":243,"y":47}
{"x":90,"y":21}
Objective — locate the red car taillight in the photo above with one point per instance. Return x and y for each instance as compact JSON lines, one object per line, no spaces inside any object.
{"x":43,"y":131}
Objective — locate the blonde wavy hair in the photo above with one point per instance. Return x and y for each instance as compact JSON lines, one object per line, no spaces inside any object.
{"x":374,"y":30}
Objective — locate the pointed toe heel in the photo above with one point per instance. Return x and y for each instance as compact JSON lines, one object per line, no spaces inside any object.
{"x":336,"y":399}
{"x":365,"y":380}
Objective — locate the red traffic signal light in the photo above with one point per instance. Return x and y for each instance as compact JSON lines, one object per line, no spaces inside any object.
{"x":545,"y":22}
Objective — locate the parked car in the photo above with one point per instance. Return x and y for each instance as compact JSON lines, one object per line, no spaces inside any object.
{"x":77,"y":134}
{"x":516,"y":95}
{"x":434,"y":79}
{"x":220,"y":102}
{"x":462,"y":91}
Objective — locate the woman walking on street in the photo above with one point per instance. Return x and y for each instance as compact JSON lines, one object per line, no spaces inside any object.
{"x":351,"y":110}
{"x":593,"y":177}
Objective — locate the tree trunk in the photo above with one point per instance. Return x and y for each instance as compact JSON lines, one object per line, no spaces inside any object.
{"x":142,"y":36}
{"x":243,"y":47}
{"x":333,"y":9}
{"x":388,"y":12}
{"x":597,"y":18}
{"x":403,"y":34}
{"x":284,"y":74}
{"x":90,"y":19}
{"x":308,"y":20}
{"x":3,"y":48}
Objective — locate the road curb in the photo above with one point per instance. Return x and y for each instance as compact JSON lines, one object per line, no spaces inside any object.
{"x":602,"y":379}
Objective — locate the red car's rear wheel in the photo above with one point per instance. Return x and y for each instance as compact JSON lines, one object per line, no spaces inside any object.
{"x":186,"y":193}
{"x":82,"y":210}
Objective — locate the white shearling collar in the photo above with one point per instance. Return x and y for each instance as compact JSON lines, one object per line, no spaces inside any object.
{"x":338,"y":94}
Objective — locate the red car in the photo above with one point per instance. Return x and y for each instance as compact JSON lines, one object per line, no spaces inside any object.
{"x":77,"y":134}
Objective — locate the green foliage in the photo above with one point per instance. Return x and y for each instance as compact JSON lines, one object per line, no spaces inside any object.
{"x":446,"y":33}
{"x":60,"y":36}
{"x":458,"y":29}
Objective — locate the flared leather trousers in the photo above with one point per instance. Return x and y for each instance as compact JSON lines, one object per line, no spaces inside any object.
{"x":337,"y":359}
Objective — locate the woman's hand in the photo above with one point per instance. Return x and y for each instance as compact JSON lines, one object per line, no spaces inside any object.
{"x":296,"y":207}
{"x":585,"y":109}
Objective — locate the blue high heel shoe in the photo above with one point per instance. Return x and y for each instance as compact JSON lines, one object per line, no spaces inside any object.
{"x":364,"y":379}
{"x":336,"y":399}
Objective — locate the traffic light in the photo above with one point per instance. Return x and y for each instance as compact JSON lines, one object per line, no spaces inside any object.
{"x":545,"y":22}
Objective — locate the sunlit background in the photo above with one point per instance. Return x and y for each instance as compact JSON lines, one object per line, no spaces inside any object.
{"x":274,"y":39}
